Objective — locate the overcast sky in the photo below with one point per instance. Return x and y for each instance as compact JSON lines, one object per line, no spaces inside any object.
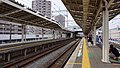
{"x":115,"y":22}
{"x":58,"y":5}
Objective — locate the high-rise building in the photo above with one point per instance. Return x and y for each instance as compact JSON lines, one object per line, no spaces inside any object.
{"x":43,"y":6}
{"x":60,"y":19}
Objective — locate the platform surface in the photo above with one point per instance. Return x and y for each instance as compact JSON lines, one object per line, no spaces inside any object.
{"x":95,"y":56}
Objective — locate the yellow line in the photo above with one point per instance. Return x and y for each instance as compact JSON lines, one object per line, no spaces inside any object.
{"x":73,"y":63}
{"x":85,"y":58}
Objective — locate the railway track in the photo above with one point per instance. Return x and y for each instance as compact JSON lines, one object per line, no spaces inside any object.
{"x":23,"y":62}
{"x":60,"y":60}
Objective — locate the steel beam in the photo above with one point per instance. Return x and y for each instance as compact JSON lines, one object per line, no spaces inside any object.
{"x":110,"y":3}
{"x":12,"y":12}
{"x":100,"y":8}
{"x":85,"y":13}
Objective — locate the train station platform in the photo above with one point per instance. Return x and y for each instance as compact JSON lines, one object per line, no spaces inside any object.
{"x":86,"y":56}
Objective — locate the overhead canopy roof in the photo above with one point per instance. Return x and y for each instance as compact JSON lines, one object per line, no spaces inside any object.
{"x":88,"y":13}
{"x":15,"y":12}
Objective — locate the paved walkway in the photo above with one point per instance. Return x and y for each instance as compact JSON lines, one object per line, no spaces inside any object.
{"x":94,"y":54}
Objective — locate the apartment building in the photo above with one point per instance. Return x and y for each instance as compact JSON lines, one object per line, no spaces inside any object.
{"x":43,"y":6}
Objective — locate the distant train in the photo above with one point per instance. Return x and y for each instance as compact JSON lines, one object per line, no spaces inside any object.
{"x":79,"y":34}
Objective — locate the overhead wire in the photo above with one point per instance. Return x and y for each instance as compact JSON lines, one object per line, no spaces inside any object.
{"x":55,"y":7}
{"x":58,"y":9}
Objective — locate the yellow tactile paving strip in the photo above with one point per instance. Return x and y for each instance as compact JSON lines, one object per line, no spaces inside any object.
{"x":85,"y":58}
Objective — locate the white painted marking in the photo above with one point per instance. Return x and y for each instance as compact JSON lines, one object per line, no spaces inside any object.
{"x":80,"y":49}
{"x":74,"y":55}
{"x":79,"y":54}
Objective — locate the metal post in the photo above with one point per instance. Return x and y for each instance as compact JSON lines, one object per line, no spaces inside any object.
{"x":4,"y":56}
{"x":8,"y":59}
{"x":42,"y":33}
{"x":56,"y":34}
{"x":71,"y":35}
{"x":61,"y":34}
{"x":25,"y":52}
{"x":3,"y":30}
{"x":23,"y":32}
{"x":10,"y":33}
{"x":94,"y":36}
{"x":53,"y":34}
{"x":105,"y":46}
{"x":35,"y":49}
